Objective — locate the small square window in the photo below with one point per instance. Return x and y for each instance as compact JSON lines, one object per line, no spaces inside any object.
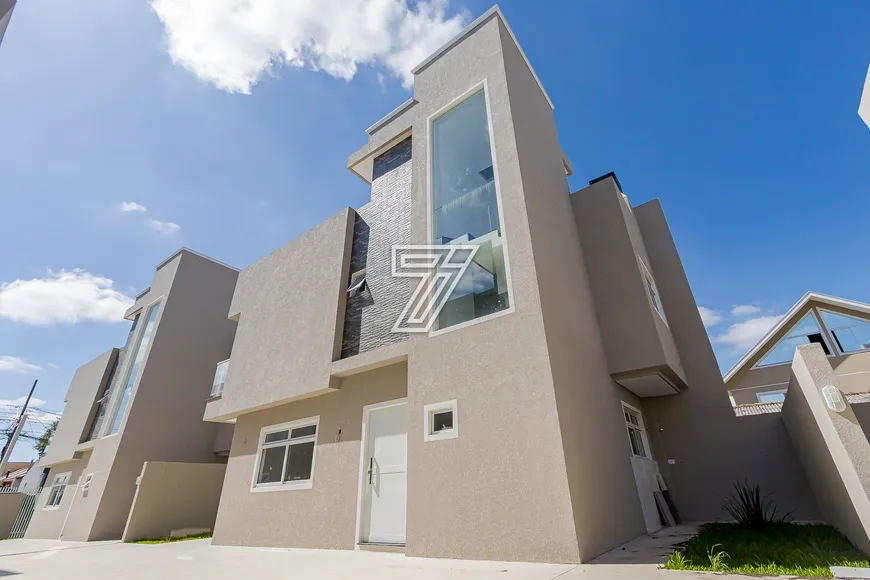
{"x":440,"y":421}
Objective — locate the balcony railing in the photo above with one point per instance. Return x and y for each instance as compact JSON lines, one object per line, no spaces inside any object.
{"x":220,"y":379}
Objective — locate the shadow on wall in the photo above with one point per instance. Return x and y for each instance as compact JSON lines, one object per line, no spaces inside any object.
{"x":862,"y":413}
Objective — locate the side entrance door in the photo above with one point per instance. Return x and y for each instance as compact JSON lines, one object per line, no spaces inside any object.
{"x":643,"y":465}
{"x":385,"y":475}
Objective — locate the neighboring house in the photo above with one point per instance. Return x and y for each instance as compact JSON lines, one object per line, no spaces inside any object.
{"x":864,"y":105}
{"x":143,"y":402}
{"x":565,"y":384}
{"x":6,"y":7}
{"x":15,"y":472}
{"x":840,"y":326}
{"x":34,"y":479}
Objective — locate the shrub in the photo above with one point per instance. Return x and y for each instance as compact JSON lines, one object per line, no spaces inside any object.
{"x":749,"y":508}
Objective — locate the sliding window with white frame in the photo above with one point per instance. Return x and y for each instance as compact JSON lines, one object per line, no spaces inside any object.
{"x":285,"y":456}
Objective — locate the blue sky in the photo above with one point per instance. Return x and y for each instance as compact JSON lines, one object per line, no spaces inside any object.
{"x":741,"y":117}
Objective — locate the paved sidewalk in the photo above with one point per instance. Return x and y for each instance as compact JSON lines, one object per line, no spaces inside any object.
{"x":50,"y":560}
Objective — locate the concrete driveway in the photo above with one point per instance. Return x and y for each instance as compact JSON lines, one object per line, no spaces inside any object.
{"x":198,"y":559}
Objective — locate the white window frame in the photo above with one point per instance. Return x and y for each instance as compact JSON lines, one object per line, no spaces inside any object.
{"x":774,"y":392}
{"x":429,"y":411}
{"x":86,"y":484}
{"x":650,"y":280}
{"x":430,"y":202}
{"x":641,"y":426}
{"x":219,"y":392}
{"x":54,"y":484}
{"x":261,"y":444}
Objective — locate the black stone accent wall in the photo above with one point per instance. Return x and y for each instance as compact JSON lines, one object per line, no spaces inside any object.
{"x":379,"y":225}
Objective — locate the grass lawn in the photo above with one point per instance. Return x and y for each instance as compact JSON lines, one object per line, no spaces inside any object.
{"x":179,"y":539}
{"x":778,"y":548}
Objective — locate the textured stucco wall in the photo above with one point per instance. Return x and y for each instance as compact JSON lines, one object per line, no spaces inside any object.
{"x":832,"y":447}
{"x":634,"y":335}
{"x":290,"y":307}
{"x":862,"y":413}
{"x":697,"y":429}
{"x":173,"y":496}
{"x":87,"y":383}
{"x":325,"y":515}
{"x":385,"y":222}
{"x":498,"y":370}
{"x":10,"y":504}
{"x":604,"y":500}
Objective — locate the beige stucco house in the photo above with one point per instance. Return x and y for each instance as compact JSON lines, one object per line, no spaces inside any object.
{"x":565,"y":399}
{"x":559,"y":398}
{"x":140,"y":403}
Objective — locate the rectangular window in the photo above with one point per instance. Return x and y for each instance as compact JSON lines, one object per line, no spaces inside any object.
{"x":466,"y":210}
{"x":220,"y":378}
{"x":440,"y":421}
{"x":58,"y":486}
{"x":285,"y":455}
{"x":103,"y":402}
{"x":652,"y":290}
{"x":636,"y":436}
{"x":777,"y":396}
{"x":138,"y":357}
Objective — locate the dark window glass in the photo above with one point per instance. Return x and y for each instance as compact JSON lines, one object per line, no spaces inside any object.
{"x":271,"y":462}
{"x":303,"y":431}
{"x":276,"y":436}
{"x":299,"y":460}
{"x":442,"y":421}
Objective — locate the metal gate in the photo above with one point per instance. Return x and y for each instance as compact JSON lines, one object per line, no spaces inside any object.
{"x":24,"y":514}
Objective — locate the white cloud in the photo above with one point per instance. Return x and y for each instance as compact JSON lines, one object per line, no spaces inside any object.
{"x":128,"y":206}
{"x":164,"y":227}
{"x":233,"y":44}
{"x":709,"y":316}
{"x":14,"y":364}
{"x":63,"y":297}
{"x":745,"y":334}
{"x":744,"y":310}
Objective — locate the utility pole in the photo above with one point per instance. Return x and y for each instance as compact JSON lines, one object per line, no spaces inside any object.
{"x":13,"y":437}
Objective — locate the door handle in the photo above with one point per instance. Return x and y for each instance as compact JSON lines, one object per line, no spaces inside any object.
{"x":371,"y":468}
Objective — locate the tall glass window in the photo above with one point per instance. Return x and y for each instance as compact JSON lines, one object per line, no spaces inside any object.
{"x":138,"y":354}
{"x":466,"y":209}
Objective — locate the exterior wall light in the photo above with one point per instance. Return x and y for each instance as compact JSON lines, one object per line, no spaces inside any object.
{"x":834,"y":398}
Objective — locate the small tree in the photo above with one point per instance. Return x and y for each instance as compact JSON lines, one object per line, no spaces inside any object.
{"x":43,"y":442}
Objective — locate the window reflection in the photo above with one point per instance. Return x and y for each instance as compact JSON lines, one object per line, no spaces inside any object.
{"x":466,"y":209}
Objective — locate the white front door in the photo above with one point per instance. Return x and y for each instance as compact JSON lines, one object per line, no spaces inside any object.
{"x":385,"y":475}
